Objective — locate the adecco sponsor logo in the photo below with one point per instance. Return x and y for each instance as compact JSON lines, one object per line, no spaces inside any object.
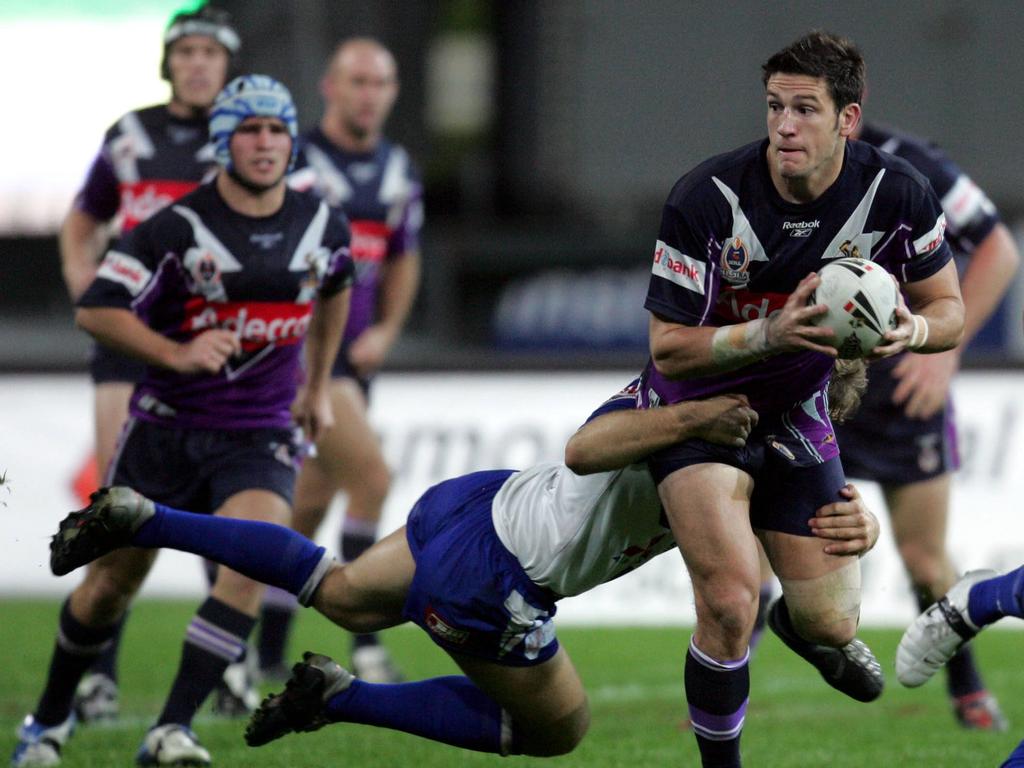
{"x":257,"y":324}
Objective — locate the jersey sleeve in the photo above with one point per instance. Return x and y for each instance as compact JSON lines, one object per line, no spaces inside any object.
{"x":927,"y":249}
{"x":337,"y":240}
{"x":100,"y":195}
{"x":682,"y":287}
{"x":406,"y":235}
{"x":128,"y":270}
{"x":627,"y":398}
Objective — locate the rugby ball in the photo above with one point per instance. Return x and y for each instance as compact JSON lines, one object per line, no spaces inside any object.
{"x":861,"y":297}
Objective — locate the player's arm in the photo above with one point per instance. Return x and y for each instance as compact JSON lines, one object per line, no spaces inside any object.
{"x":622,"y":437}
{"x":681,"y":351}
{"x":937,"y":320}
{"x":122,"y":330}
{"x":312,"y":407}
{"x":83,"y":238}
{"x":398,"y":288}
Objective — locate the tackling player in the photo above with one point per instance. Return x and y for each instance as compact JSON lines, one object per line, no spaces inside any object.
{"x":741,"y":238}
{"x":480,"y":566}
{"x":219,"y":294}
{"x":349,"y":162}
{"x":149,"y":158}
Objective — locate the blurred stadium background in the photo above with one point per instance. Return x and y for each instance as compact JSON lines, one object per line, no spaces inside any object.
{"x":549,"y":134}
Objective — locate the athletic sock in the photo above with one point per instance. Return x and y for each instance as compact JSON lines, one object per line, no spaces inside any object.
{"x":77,"y":647}
{"x":215,"y":638}
{"x":268,"y":553}
{"x":276,"y":616}
{"x":106,"y":663}
{"x":356,"y":537}
{"x":717,"y":693}
{"x":450,"y":710}
{"x":962,"y":676}
{"x":1016,"y":758}
{"x":992,"y":599}
{"x":764,"y":599}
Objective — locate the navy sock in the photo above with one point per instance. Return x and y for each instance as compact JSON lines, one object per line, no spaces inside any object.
{"x":215,"y":638}
{"x":106,"y":664}
{"x":447,"y":709}
{"x":268,"y":553}
{"x":992,"y":599}
{"x":77,"y":647}
{"x":276,"y":616}
{"x":717,"y":693}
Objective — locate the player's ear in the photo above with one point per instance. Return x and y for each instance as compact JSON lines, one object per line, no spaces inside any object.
{"x":849,"y":119}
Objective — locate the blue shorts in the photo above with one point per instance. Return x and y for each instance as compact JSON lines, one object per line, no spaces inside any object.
{"x":199,"y":469}
{"x":881,"y":443}
{"x":107,"y":366}
{"x":469,"y":593}
{"x":790,"y":484}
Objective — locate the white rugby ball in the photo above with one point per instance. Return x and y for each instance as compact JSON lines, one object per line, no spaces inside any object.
{"x":861,"y":297}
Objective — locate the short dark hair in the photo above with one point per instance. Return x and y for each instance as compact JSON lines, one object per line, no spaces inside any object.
{"x":830,"y":57}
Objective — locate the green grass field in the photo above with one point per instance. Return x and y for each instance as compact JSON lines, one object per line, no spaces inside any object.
{"x":633,"y":676}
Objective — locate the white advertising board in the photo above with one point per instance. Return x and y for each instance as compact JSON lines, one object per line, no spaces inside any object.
{"x":435,"y":426}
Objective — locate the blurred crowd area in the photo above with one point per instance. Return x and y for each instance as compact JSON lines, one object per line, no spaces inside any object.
{"x":549,"y":135}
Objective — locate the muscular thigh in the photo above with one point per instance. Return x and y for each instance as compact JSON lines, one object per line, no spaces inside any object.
{"x":110,"y":406}
{"x":919,"y":511}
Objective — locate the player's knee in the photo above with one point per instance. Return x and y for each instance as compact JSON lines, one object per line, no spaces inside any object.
{"x":925,"y":565}
{"x":732,"y":608}
{"x":375,"y":483}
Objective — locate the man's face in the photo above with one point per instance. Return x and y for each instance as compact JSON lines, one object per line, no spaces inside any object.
{"x":198,"y":68}
{"x":805,"y":134}
{"x":260,"y":150}
{"x":360,"y":88}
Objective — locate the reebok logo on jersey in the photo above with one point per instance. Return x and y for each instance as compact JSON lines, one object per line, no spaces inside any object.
{"x":678,"y":267}
{"x":800,"y":228}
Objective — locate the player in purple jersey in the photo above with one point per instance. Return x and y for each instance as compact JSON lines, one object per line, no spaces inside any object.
{"x":149,"y":158}
{"x":480,"y":566}
{"x":942,"y":632}
{"x":741,"y":238}
{"x":903,"y":436}
{"x":349,"y":162}
{"x":219,"y":294}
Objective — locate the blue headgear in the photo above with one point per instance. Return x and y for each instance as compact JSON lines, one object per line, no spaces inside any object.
{"x":250,"y":96}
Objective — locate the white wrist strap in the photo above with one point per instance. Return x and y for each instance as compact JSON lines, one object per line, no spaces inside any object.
{"x":920,"y":335}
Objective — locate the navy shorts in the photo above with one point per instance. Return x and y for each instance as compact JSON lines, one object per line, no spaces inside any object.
{"x":199,"y":469}
{"x":107,"y":366}
{"x":469,"y":593}
{"x":342,"y":369}
{"x":789,"y":487}
{"x":881,"y":443}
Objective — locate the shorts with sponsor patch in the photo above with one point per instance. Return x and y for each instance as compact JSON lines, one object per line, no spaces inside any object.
{"x":107,"y":366}
{"x":881,"y":443}
{"x":470,"y":593}
{"x":794,"y":463}
{"x":199,"y":469}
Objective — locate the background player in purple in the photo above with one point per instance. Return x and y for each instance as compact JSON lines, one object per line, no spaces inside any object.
{"x":903,"y":436}
{"x":741,"y":238}
{"x":480,"y":566}
{"x":219,"y":294}
{"x":944,"y":629}
{"x":149,"y":158}
{"x":352,"y":165}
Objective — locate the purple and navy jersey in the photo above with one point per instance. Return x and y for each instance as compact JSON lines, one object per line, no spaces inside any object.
{"x":382,"y":196}
{"x":970,"y":215}
{"x":199,"y":264}
{"x":730,"y":250}
{"x":149,"y":159}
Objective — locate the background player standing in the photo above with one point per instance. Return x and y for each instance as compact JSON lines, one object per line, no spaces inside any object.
{"x":149,"y":158}
{"x":234,"y":281}
{"x":903,"y":436}
{"x":350,"y":163}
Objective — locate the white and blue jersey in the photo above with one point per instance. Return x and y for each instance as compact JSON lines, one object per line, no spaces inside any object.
{"x":495,"y":550}
{"x":881,"y":442}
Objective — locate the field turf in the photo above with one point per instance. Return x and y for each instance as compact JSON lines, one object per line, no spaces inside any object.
{"x":633,"y":676}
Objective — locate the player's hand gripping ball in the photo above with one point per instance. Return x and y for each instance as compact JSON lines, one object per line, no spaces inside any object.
{"x":861,"y":297}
